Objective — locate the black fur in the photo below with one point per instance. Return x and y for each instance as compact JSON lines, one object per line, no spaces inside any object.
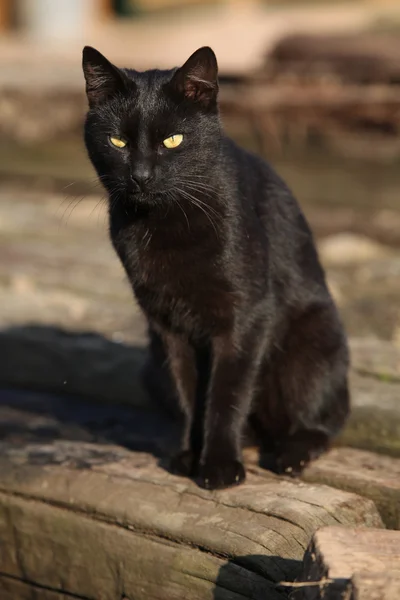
{"x":222,"y":262}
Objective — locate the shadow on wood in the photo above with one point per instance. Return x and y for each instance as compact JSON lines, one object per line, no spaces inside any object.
{"x":245,"y":577}
{"x":98,"y":372}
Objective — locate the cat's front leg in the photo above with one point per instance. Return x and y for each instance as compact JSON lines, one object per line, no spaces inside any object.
{"x":182,"y":365}
{"x":234,"y":372}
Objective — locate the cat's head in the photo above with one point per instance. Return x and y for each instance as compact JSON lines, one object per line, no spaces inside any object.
{"x":150,"y":134}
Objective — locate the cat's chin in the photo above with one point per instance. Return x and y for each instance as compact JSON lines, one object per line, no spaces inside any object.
{"x":143,"y":199}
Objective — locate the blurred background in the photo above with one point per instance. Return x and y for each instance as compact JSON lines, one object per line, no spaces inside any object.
{"x":313,"y":86}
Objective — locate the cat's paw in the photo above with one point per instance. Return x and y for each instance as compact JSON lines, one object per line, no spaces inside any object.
{"x":221,"y":473}
{"x":287,"y":465}
{"x":183,"y":463}
{"x":290,"y":464}
{"x":298,"y":451}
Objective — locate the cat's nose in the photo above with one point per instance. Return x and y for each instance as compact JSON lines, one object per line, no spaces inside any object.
{"x":140,"y":175}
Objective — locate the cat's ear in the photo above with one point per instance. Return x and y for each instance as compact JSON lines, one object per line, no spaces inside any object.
{"x":103,"y":79}
{"x":197,"y":79}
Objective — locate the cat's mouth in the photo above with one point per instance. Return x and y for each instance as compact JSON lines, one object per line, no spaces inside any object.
{"x":144,"y":197}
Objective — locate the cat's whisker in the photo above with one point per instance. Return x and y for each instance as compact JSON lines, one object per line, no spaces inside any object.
{"x":97,"y":205}
{"x":169,"y":193}
{"x":68,"y":185}
{"x":175,"y":199}
{"x":72,"y":204}
{"x":147,"y":238}
{"x":93,"y":181}
{"x":202,"y":206}
{"x":199,"y":185}
{"x":74,"y":201}
{"x":196,"y":180}
{"x":94,"y":184}
{"x":196,"y":176}
{"x":207,"y":215}
{"x":207,"y":206}
{"x":210,"y":209}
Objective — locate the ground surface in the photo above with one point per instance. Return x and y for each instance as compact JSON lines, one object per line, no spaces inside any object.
{"x":153,"y":535}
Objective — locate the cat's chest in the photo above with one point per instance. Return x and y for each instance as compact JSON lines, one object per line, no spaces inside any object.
{"x":179,"y":286}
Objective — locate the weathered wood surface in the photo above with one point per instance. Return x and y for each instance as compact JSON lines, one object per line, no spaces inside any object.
{"x":35,"y":418}
{"x":380,"y":361}
{"x":351,"y":564}
{"x":382,"y":586}
{"x":14,"y":589}
{"x":98,"y":521}
{"x":371,"y":475}
{"x":374,"y":421}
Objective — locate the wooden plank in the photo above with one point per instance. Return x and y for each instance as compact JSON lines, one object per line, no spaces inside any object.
{"x":64,"y":503}
{"x":350,"y":564}
{"x":382,"y":586}
{"x":370,"y":475}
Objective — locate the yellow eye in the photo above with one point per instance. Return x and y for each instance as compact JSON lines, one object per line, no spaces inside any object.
{"x":174,"y":141}
{"x":117,"y":142}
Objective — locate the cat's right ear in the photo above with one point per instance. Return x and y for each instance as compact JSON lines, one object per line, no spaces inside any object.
{"x":103,"y":79}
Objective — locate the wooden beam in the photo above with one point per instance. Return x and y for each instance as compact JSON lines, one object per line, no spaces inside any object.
{"x":350,"y":564}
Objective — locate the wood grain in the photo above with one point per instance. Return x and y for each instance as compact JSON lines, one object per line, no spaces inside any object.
{"x":98,"y":521}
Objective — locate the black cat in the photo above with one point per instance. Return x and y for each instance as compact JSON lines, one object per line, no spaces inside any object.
{"x":222,"y":262}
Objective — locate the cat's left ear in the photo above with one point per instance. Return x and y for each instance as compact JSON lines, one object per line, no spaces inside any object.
{"x":197,"y":79}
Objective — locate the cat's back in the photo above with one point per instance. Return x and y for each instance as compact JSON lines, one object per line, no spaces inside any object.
{"x":264,"y":196}
{"x":258,"y":183}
